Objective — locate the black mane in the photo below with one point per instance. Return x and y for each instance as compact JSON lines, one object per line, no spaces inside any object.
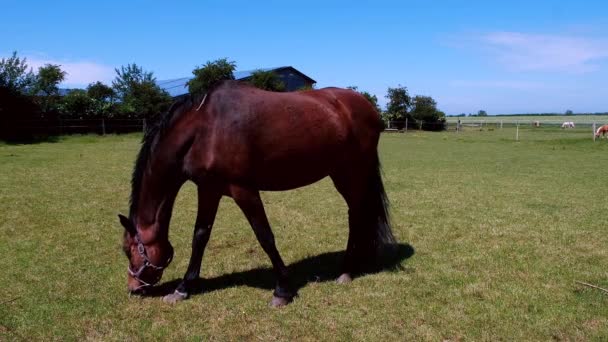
{"x":154,"y":131}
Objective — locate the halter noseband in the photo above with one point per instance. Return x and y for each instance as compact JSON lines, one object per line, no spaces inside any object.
{"x":141,"y":249}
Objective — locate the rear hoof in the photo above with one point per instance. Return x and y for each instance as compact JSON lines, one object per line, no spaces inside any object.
{"x":278,"y":302}
{"x":175,"y":297}
{"x":345,"y":278}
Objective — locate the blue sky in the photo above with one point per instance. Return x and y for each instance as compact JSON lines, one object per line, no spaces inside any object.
{"x":499,"y":56}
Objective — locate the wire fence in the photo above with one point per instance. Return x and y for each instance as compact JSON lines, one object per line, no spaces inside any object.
{"x":58,"y":126}
{"x":585,"y":128}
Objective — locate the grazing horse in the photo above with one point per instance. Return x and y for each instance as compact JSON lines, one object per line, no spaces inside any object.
{"x":238,"y":141}
{"x":603,"y":130}
{"x":568,"y":124}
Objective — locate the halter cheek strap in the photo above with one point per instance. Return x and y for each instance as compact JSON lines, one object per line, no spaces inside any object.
{"x":141,"y":250}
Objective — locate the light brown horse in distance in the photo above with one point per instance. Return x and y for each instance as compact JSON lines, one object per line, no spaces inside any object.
{"x":601,"y":131}
{"x":238,"y":141}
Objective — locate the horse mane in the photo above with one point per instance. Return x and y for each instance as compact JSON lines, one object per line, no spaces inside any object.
{"x":153,"y":133}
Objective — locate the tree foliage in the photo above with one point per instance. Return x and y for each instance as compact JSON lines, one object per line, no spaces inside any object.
{"x":482,"y":113}
{"x":210,"y":73}
{"x":48,"y":78}
{"x":46,"y":88}
{"x":78,"y":103}
{"x":424,"y":110}
{"x":371,"y":98}
{"x":100,"y":92}
{"x":267,"y":80}
{"x":399,"y":104}
{"x":139,"y":95}
{"x":14,"y":75}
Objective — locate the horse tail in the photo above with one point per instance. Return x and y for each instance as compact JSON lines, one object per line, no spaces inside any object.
{"x":377,"y":204}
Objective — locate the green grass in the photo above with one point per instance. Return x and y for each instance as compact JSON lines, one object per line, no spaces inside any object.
{"x":501,"y":230}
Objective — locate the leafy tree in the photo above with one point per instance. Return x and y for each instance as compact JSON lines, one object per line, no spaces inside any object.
{"x":399,"y":104}
{"x":100,"y":92}
{"x":129,"y":75}
{"x":266,"y":80}
{"x":78,"y":103}
{"x":14,"y":75}
{"x":306,"y":87}
{"x":209,"y":74}
{"x":140,"y":96}
{"x":371,"y":98}
{"x":569,"y":112}
{"x":424,"y":108}
{"x":482,"y":113}
{"x":45,"y":88}
{"x":103,"y":97}
{"x":48,"y":78}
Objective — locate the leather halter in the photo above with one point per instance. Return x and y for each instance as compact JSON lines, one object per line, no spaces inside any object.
{"x":141,"y":249}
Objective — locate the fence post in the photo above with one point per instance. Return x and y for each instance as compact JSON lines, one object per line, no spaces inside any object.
{"x":593,"y":129}
{"x":500,"y":124}
{"x":517,"y":132}
{"x":406,"y":124}
{"x":103,"y":126}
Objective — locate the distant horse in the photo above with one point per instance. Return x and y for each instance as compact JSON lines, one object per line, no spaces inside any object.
{"x":603,"y":130}
{"x":568,"y":124}
{"x":237,"y":141}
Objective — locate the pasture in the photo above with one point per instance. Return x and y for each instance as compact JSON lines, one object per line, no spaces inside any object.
{"x":494,"y":235}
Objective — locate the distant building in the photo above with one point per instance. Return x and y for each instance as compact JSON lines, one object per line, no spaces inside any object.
{"x":290,"y":76}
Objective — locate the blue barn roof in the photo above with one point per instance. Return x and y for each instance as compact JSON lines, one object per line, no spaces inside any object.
{"x":179,"y":86}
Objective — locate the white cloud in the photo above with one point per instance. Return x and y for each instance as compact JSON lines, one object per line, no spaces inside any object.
{"x":538,"y":52}
{"x":79,"y":73}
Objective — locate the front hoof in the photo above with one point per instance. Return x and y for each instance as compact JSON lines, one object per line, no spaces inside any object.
{"x":345,"y":278}
{"x":278,"y":302}
{"x":175,"y":297}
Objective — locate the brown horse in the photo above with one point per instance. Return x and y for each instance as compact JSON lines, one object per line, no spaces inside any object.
{"x":602,"y":131}
{"x":238,"y":141}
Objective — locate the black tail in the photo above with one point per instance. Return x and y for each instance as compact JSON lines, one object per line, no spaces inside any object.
{"x":377,"y":204}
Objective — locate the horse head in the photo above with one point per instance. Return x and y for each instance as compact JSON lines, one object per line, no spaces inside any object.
{"x":148,"y":257}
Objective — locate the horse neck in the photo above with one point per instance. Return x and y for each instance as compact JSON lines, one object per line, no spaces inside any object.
{"x":160,"y":185}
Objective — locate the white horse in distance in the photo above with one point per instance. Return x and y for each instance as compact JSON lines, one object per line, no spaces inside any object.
{"x":568,"y":124}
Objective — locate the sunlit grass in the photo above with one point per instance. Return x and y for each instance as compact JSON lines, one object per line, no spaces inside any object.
{"x":501,"y":230}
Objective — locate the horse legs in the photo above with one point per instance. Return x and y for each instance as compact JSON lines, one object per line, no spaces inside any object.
{"x":208,"y":202}
{"x":251,"y":204}
{"x":352,"y":188}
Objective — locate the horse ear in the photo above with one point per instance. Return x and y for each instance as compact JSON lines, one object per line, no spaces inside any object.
{"x":127,"y":224}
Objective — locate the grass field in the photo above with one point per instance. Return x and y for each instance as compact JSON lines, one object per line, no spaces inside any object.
{"x":498,"y":231}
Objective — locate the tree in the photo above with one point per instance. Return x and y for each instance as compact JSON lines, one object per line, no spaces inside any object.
{"x":424,"y":108}
{"x":45,"y":88}
{"x":103,"y":97}
{"x":14,"y":75}
{"x":371,"y":98}
{"x":399,"y":104}
{"x":48,"y":78}
{"x":128,"y":76}
{"x":78,"y":103}
{"x":266,"y":80}
{"x":210,"y":73}
{"x":100,"y":92}
{"x":569,"y":112}
{"x":139,"y":95}
{"x":482,"y":113}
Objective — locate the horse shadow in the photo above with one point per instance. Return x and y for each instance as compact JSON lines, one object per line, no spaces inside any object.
{"x":320,"y":268}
